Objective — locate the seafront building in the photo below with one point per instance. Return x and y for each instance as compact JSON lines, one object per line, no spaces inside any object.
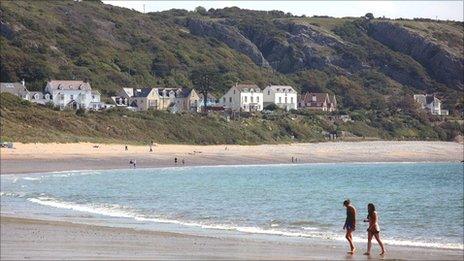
{"x":243,"y":97}
{"x":61,"y":93}
{"x":431,"y":103}
{"x":283,"y":96}
{"x":318,"y":101}
{"x":15,"y":88}
{"x":160,"y":98}
{"x":73,"y":95}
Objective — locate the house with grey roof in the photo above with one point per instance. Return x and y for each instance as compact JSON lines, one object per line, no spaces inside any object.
{"x":73,"y":94}
{"x":15,"y":88}
{"x":283,"y":96}
{"x":430,"y":103}
{"x":161,"y":98}
{"x":243,"y":97}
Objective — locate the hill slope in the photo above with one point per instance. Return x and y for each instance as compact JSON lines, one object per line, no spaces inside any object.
{"x":116,"y":47}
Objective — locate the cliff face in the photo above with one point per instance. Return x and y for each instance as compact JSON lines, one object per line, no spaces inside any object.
{"x":440,"y":63}
{"x":229,"y":35}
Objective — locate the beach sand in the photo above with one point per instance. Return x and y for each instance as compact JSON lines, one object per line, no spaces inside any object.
{"x":39,"y":239}
{"x":33,"y":158}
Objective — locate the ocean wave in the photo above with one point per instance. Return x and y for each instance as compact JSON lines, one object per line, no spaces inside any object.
{"x":12,"y":194}
{"x":114,"y":210}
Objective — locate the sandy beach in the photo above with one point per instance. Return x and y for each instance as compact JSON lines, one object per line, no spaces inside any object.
{"x":39,"y":239}
{"x":34,"y":158}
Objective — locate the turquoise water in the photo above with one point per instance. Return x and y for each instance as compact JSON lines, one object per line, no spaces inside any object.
{"x":420,"y":204}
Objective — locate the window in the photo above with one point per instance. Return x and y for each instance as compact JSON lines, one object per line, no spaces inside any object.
{"x":93,"y":97}
{"x":251,"y":98}
{"x":230,"y":99}
{"x":291,"y":99}
{"x":268,"y":92}
{"x":246,"y":99}
{"x":257,"y":99}
{"x":62,"y":97}
{"x":72,"y":96}
{"x":234,"y":91}
{"x":280,"y":99}
{"x":285,"y":99}
{"x":224,"y":99}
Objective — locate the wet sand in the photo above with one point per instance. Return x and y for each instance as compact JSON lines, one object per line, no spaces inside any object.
{"x":45,"y":240}
{"x":34,"y":158}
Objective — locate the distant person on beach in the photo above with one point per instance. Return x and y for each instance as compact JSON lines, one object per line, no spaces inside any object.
{"x":175,"y":160}
{"x":183,"y":161}
{"x":373,"y":230}
{"x":131,"y":163}
{"x":125,"y":148}
{"x":350,"y":224}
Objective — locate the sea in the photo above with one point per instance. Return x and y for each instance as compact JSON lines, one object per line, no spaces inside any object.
{"x":419,"y":204}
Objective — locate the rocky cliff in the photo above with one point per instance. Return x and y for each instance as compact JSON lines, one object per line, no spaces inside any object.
{"x":440,"y":63}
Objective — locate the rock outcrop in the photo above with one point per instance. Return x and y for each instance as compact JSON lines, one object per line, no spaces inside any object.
{"x":440,"y":64}
{"x":229,"y":35}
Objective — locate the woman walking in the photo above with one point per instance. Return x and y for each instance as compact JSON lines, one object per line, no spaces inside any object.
{"x":373,"y":230}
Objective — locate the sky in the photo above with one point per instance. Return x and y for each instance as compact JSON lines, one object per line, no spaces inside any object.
{"x":443,"y":10}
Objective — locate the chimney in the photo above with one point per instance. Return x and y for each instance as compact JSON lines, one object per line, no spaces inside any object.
{"x":23,"y":82}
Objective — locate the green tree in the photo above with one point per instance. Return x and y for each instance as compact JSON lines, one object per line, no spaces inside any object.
{"x":203,"y":78}
{"x":201,"y":10}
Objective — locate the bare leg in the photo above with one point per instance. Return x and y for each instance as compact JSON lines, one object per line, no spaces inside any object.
{"x":377,"y":237}
{"x":369,"y":243}
{"x":349,"y":237}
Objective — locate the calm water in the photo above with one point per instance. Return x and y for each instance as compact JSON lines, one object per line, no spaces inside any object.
{"x":419,"y":204}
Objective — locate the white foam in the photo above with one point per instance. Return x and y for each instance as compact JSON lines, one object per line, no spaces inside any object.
{"x":113,"y":210}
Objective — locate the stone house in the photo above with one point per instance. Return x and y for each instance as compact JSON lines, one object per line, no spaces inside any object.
{"x":318,"y":101}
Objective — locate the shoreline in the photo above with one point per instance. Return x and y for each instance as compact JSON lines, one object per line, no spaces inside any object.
{"x":47,"y":238}
{"x":43,"y":158}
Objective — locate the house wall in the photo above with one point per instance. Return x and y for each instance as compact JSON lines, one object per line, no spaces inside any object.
{"x":284,"y":100}
{"x":231,"y":100}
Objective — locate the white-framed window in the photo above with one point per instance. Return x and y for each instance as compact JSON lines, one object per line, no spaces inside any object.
{"x":251,"y":99}
{"x":291,"y":99}
{"x":285,"y":99}
{"x":224,"y":99}
{"x":36,"y":96}
{"x":268,"y":92}
{"x":280,"y":99}
{"x":246,"y":99}
{"x":230,"y":99}
{"x":257,"y":99}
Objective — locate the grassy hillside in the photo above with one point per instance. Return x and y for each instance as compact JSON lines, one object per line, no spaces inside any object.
{"x":27,"y":122}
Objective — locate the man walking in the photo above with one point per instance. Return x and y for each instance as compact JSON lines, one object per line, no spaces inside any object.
{"x":350,"y":224}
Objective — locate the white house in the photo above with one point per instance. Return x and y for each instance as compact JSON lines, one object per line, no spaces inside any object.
{"x":243,"y":97}
{"x":73,"y":94}
{"x":283,"y":96}
{"x":431,"y":103}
